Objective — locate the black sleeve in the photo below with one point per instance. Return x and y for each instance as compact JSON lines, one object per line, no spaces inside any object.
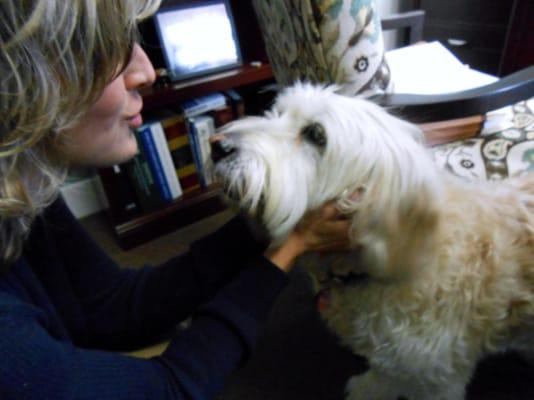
{"x":34,"y":365}
{"x":125,"y":307}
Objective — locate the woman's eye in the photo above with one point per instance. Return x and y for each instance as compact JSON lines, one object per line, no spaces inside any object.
{"x":315,"y":134}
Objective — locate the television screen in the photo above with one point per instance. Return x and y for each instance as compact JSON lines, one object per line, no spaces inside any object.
{"x":197,"y":38}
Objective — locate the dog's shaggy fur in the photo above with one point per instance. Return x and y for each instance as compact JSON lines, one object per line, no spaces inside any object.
{"x":449,"y":265}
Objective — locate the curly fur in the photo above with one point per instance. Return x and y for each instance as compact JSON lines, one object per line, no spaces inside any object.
{"x":450,"y":264}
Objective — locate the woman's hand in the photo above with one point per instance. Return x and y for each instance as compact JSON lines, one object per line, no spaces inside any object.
{"x":324,"y":229}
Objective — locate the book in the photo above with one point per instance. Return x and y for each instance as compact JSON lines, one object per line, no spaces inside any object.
{"x":164,"y":154}
{"x":122,"y":199}
{"x":236,"y":102}
{"x":177,"y":136}
{"x":149,"y":146}
{"x":202,"y":104}
{"x":195,"y":149}
{"x":201,"y":128}
{"x":145,"y":188}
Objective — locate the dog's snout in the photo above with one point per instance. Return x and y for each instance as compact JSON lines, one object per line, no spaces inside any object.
{"x":220,"y":148}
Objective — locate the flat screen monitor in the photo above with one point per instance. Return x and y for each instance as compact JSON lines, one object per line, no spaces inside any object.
{"x":197,"y":38}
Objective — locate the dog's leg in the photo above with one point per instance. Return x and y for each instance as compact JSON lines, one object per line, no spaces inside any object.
{"x":374,"y":385}
{"x":453,"y":390}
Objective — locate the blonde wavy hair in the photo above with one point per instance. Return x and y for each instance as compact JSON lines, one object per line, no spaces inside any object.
{"x":56,"y":58}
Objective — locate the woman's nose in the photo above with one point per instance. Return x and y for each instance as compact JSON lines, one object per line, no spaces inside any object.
{"x":139,"y":73}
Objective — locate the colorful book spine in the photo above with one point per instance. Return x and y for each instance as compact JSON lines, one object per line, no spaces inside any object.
{"x":140,"y":176}
{"x":177,"y":137}
{"x":147,"y":141}
{"x":166,"y":160}
{"x":195,"y":146}
{"x":142,"y":179}
{"x":203,"y":128}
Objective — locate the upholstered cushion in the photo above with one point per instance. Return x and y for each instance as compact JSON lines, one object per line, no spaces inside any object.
{"x":504,"y":148}
{"x":325,"y":41}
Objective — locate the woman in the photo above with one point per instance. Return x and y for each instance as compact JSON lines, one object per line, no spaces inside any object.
{"x":70,"y":75}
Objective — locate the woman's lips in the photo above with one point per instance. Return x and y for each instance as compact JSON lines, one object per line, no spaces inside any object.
{"x":135,"y":121}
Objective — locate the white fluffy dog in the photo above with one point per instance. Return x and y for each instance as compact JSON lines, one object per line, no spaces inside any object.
{"x":449,"y":265}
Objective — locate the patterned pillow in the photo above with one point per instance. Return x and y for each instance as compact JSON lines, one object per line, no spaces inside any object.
{"x":325,"y":41}
{"x":504,"y":148}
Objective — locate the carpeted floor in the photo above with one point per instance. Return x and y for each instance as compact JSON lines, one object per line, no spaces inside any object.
{"x":297,"y":358}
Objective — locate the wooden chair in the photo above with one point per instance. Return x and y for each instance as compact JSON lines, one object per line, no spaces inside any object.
{"x":453,"y":116}
{"x":429,"y":108}
{"x":411,"y":22}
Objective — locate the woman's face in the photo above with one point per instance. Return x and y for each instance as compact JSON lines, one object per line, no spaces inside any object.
{"x":104,"y":135}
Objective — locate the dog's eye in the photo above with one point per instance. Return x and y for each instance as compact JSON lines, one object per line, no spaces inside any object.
{"x":315,"y":133}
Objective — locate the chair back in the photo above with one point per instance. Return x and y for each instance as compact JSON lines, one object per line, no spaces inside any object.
{"x":411,"y":22}
{"x":333,"y":42}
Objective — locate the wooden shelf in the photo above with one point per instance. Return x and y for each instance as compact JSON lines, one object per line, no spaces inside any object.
{"x":156,"y":97}
{"x":185,"y":210}
{"x":132,"y":228}
{"x":198,"y":204}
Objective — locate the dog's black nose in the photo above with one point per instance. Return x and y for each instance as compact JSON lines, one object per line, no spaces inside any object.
{"x":220,"y":150}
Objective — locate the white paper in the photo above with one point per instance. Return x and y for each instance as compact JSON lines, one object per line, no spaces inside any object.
{"x":430,"y":68}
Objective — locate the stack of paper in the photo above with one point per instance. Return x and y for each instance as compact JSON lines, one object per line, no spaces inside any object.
{"x":430,"y":68}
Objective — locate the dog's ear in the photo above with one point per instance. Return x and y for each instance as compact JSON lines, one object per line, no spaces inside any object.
{"x":396,"y":230}
{"x":399,"y":209}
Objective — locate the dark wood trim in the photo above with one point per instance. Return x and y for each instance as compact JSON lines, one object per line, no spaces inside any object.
{"x":519,"y":43}
{"x":248,"y":30}
{"x":451,"y":130}
{"x":184,"y":211}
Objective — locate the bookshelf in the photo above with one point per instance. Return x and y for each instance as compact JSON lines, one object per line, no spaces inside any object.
{"x":134,"y":230}
{"x":155,"y":98}
{"x":185,"y":210}
{"x":195,"y":205}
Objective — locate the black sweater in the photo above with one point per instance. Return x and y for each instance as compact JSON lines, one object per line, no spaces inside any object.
{"x":65,"y":304}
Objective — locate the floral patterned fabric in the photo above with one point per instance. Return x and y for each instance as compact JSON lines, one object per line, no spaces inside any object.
{"x":340,"y":41}
{"x":504,"y":148}
{"x":325,"y":41}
